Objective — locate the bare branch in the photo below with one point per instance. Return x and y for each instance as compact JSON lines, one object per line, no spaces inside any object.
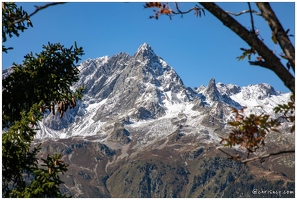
{"x":244,"y":12}
{"x":181,"y":12}
{"x":252,"y":19}
{"x":38,"y":8}
{"x":268,"y":155}
{"x":238,"y":158}
{"x":259,"y":63}
{"x":279,"y":32}
{"x":185,"y":12}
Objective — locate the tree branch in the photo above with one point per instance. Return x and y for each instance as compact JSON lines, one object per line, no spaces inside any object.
{"x":259,"y":63}
{"x":252,"y":19}
{"x":268,"y":155}
{"x":185,"y":12}
{"x":231,"y":13}
{"x":272,"y":61}
{"x":244,"y":12}
{"x":238,"y":158}
{"x":38,"y":8}
{"x":278,"y":30}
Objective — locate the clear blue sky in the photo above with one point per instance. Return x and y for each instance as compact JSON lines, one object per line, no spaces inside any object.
{"x":197,"y":48}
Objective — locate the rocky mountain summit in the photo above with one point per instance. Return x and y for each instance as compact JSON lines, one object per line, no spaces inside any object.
{"x":142,"y":88}
{"x":140,"y":132}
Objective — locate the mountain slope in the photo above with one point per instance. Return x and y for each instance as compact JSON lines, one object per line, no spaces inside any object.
{"x":134,"y":89}
{"x":140,"y":132}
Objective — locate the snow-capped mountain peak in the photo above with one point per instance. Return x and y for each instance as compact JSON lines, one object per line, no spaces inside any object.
{"x":258,"y":91}
{"x":145,"y":52}
{"x":143,"y":90}
{"x":137,"y":119}
{"x":138,"y":87}
{"x":144,"y":47}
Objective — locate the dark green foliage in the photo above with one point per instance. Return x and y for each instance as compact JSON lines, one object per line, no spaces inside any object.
{"x":46,"y":180}
{"x":12,"y":23}
{"x":20,"y":162}
{"x":41,"y":79}
{"x":44,"y":77}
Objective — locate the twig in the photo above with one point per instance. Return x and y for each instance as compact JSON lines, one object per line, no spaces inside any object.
{"x":230,"y":156}
{"x":268,"y":155}
{"x":231,"y":13}
{"x":244,"y":12}
{"x":184,"y":12}
{"x":236,"y":158}
{"x":38,"y":8}
{"x":252,"y":20}
{"x":177,"y":8}
{"x":259,"y":63}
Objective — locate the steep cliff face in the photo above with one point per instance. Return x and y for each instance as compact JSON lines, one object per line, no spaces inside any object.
{"x":211,"y":92}
{"x":140,"y":132}
{"x":137,"y":87}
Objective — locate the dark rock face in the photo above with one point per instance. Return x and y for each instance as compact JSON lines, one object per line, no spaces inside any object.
{"x":143,"y":113}
{"x":212,"y":92}
{"x":198,"y":103}
{"x":120,"y":134}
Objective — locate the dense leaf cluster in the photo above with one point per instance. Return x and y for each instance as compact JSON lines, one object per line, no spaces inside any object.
{"x":22,"y":175}
{"x":44,"y":77}
{"x":17,"y":158}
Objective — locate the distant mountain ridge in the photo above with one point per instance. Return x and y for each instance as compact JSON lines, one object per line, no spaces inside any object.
{"x":140,"y":132}
{"x":143,"y":87}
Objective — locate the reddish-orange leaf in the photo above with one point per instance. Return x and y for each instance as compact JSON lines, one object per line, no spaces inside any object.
{"x":166,"y":11}
{"x":153,"y":4}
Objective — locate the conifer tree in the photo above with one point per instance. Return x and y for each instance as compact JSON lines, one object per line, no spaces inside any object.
{"x":42,"y":79}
